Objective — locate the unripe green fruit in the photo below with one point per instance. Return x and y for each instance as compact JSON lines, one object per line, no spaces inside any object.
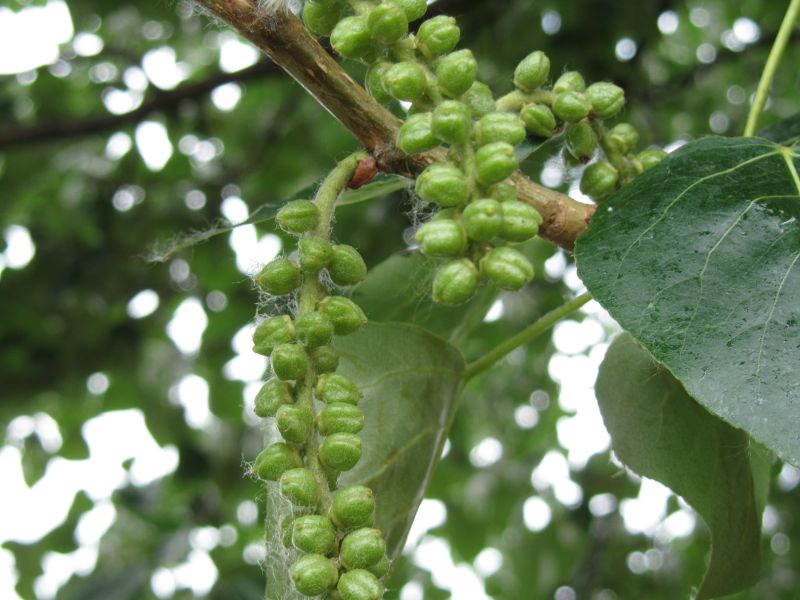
{"x":571,"y":107}
{"x":289,"y":361}
{"x":452,"y":122}
{"x":455,"y":282}
{"x":359,"y":584}
{"x":315,"y":254}
{"x":279,"y":277}
{"x":325,"y":358}
{"x":314,"y":329}
{"x":443,"y":184}
{"x":345,"y":314}
{"x":651,"y":157}
{"x":340,"y":451}
{"x":298,"y":216}
{"x":347,"y":266}
{"x":272,"y":332}
{"x":353,"y":507}
{"x":503,"y":192}
{"x":387,"y":23}
{"x":314,"y":534}
{"x":499,"y":127}
{"x":479,"y":99}
{"x":405,"y":81}
{"x":334,"y":387}
{"x":380,"y":568}
{"x":300,"y":487}
{"x":483,"y":220}
{"x":351,"y":38}
{"x":495,"y":162}
{"x":625,"y":137}
{"x":414,"y":9}
{"x":362,"y":548}
{"x":571,"y":81}
{"x":340,"y":417}
{"x":442,"y":237}
{"x":272,"y":395}
{"x":321,"y":17}
{"x":274,"y":461}
{"x":539,"y":120}
{"x":599,"y":179}
{"x":532,"y":71}
{"x":438,"y":36}
{"x":606,"y":99}
{"x":580,"y":140}
{"x":520,"y":221}
{"x":508,"y":268}
{"x":294,"y":422}
{"x":374,"y":83}
{"x":416,"y":134}
{"x":313,"y":574}
{"x":456,"y":73}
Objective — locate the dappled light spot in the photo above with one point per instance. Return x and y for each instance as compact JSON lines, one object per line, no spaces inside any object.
{"x":187,"y":325}
{"x":143,"y":304}
{"x":153,"y":144}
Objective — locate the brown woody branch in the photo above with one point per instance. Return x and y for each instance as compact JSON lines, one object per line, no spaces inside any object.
{"x":286,"y":41}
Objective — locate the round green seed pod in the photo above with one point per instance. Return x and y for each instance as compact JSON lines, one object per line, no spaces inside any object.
{"x":298,"y":216}
{"x":414,"y":9}
{"x":503,"y":192}
{"x":314,"y":329}
{"x":606,"y":99}
{"x":532,"y":72}
{"x":452,"y":122}
{"x":520,"y":221}
{"x":539,"y":120}
{"x":352,"y":507}
{"x":314,"y":534}
{"x":362,"y":548}
{"x":455,"y":282}
{"x":416,"y":134}
{"x":340,"y":451}
{"x":651,"y":157}
{"x":443,"y":237}
{"x":272,"y":332}
{"x":315,"y":254}
{"x":405,"y":81}
{"x":272,"y":395}
{"x":351,"y":39}
{"x":294,"y":422}
{"x":313,"y":574}
{"x":580,"y":140}
{"x":347,"y":266}
{"x":359,"y":584}
{"x":625,"y":137}
{"x":483,"y":220}
{"x":571,"y":107}
{"x":456,"y":73}
{"x":380,"y":568}
{"x":300,"y":487}
{"x":387,"y":23}
{"x":570,"y":81}
{"x":499,"y":127}
{"x":289,"y":361}
{"x":374,"y":82}
{"x":479,"y":99}
{"x":443,"y":184}
{"x":495,"y":162}
{"x":333,"y":387}
{"x":345,"y":314}
{"x":438,"y":36}
{"x":508,"y":268}
{"x":340,"y":417}
{"x":325,"y":359}
{"x":599,"y":179}
{"x":275,"y":460}
{"x":321,"y":17}
{"x":279,"y":277}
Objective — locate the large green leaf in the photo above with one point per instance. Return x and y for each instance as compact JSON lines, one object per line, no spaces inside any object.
{"x":696,"y":258}
{"x":660,"y":432}
{"x":410,"y":380}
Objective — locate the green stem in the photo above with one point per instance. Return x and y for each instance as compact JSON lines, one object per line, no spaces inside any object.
{"x":526,"y":335}
{"x":774,"y":59}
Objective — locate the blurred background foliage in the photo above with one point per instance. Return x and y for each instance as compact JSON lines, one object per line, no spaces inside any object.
{"x":126,"y":386}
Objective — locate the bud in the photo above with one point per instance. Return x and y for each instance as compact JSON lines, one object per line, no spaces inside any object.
{"x":414,"y":9}
{"x":499,"y":127}
{"x":274,"y":461}
{"x":321,"y":17}
{"x":353,"y":507}
{"x":340,"y":417}
{"x":571,"y":81}
{"x":298,"y":216}
{"x":624,"y":137}
{"x":300,"y":487}
{"x":539,"y":120}
{"x":483,"y":220}
{"x":351,"y":38}
{"x":532,"y":71}
{"x":295,"y":423}
{"x":606,"y":99}
{"x":362,"y":548}
{"x":651,"y":157}
{"x":314,"y":329}
{"x":272,"y":332}
{"x":272,"y":395}
{"x":495,"y":162}
{"x":359,"y":584}
{"x":455,"y":282}
{"x":405,"y":81}
{"x":599,"y":179}
{"x":416,"y":134}
{"x":503,"y":192}
{"x":380,"y":568}
{"x":313,"y":574}
{"x":479,"y":99}
{"x":374,"y":83}
{"x":571,"y":107}
{"x":438,"y":36}
{"x":521,"y":221}
{"x":289,"y":361}
{"x":387,"y":23}
{"x":279,"y":277}
{"x":452,"y":122}
{"x":315,"y":254}
{"x":325,"y":358}
{"x":334,"y":387}
{"x":507,"y":267}
{"x":442,"y":237}
{"x":443,"y":184}
{"x":580,"y":140}
{"x":340,"y":451}
{"x":314,"y":534}
{"x":456,"y":73}
{"x":345,"y":314}
{"x":347,"y":267}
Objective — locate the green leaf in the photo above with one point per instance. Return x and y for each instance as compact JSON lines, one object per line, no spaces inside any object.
{"x":696,"y":258}
{"x":660,"y":432}
{"x":786,"y":132}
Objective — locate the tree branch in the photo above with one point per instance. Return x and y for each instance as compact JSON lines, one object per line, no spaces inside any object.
{"x":284,"y":38}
